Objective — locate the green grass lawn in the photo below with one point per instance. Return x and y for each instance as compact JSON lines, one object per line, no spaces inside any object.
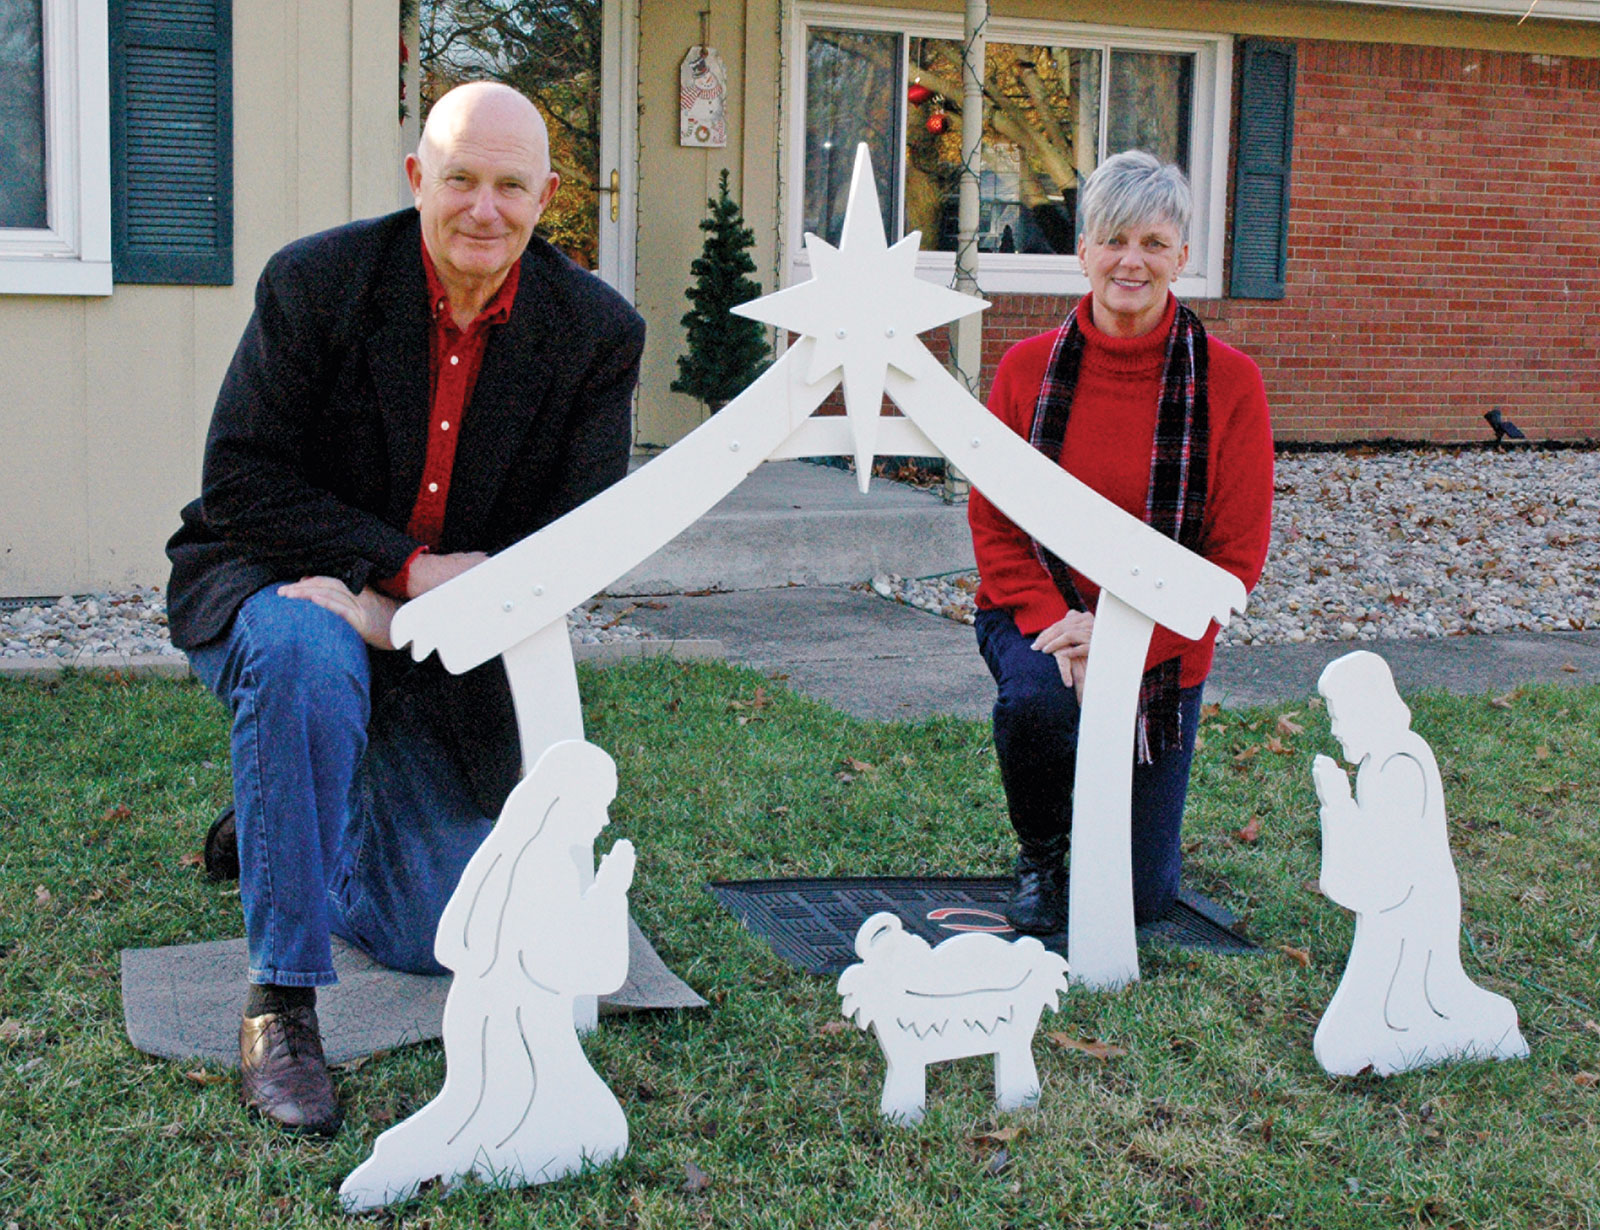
{"x":1216,"y":1115}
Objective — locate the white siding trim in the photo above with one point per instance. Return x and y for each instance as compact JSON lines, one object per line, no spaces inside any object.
{"x":73,"y":255}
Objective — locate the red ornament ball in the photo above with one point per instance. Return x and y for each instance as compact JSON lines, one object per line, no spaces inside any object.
{"x":937,"y":122}
{"x":918,"y":93}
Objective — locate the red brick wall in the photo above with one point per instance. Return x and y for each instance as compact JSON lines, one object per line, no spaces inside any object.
{"x":1444,"y":250}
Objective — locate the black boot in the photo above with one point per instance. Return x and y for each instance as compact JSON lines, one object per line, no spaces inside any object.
{"x":1039,"y":906}
{"x":222,"y":848}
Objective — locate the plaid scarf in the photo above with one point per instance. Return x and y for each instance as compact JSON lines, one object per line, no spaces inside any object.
{"x":1175,"y":502}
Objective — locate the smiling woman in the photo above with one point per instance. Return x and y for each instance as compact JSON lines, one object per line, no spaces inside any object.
{"x":1131,"y":397}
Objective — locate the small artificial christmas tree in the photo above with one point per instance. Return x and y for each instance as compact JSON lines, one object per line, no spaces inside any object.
{"x":726,"y":352}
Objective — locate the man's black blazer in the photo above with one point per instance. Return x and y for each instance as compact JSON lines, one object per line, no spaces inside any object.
{"x":317,"y":444}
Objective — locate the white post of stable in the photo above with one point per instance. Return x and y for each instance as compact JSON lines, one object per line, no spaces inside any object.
{"x":1100,"y":873}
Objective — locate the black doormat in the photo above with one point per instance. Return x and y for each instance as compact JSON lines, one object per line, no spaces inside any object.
{"x":812,"y":924}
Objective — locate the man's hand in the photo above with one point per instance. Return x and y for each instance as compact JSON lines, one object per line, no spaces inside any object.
{"x":369,"y":612}
{"x":1068,"y":640}
{"x":431,"y":571}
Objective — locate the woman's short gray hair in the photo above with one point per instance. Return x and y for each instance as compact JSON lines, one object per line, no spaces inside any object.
{"x":1132,"y":187}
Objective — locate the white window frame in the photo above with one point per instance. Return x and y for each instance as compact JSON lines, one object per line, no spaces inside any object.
{"x":72,"y":255}
{"x":1021,"y":273}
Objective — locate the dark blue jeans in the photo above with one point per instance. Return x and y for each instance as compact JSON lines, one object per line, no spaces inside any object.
{"x":353,"y":820}
{"x":1036,"y":742}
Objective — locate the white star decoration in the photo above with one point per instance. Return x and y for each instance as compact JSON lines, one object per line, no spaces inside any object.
{"x":863,"y":307}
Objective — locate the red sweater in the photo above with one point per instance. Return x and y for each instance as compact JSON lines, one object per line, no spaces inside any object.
{"x":1110,"y":435}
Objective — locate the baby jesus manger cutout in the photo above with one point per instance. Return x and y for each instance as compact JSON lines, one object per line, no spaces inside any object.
{"x":858,"y":319}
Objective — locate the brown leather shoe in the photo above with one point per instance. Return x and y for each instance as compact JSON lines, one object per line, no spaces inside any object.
{"x":283,"y":1074}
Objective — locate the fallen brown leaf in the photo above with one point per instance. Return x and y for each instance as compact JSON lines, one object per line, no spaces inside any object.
{"x":1593,"y":1027}
{"x":832,"y":1027}
{"x":1505,"y":700}
{"x":41,"y":895}
{"x":1000,"y":1136}
{"x":1278,"y":747}
{"x":1088,"y":1046}
{"x":1209,"y":711}
{"x":1287,"y":726}
{"x":858,"y":766}
{"x":1586,"y":1080}
{"x":115,"y":813}
{"x":97,"y":895}
{"x":757,"y":702}
{"x":1314,"y":703}
{"x":1569,"y":668}
{"x":1300,"y":956}
{"x":695,"y":1180}
{"x":201,"y":1077}
{"x":193,"y":859}
{"x":1250,"y":833}
{"x":11,"y":1030}
{"x":1311,"y":886}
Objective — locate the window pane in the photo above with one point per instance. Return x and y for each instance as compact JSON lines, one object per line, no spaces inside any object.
{"x":1149,"y":104}
{"x":1041,"y":135}
{"x":852,"y":87}
{"x":22,"y":182}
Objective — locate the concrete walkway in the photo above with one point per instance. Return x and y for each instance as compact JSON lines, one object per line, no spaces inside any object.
{"x":792,"y":523}
{"x":766,"y":579}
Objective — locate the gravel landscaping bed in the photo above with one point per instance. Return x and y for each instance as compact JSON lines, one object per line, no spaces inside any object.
{"x":1419,"y":543}
{"x":1366,"y":545}
{"x":78,"y":630}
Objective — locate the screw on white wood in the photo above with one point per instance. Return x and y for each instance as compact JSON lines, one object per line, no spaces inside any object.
{"x":733,"y":446}
{"x":976,"y":441}
{"x":508,"y":606}
{"x":889,"y":332}
{"x":841,"y":334}
{"x":538,"y":591}
{"x":1159,"y":583}
{"x":1134,"y":571}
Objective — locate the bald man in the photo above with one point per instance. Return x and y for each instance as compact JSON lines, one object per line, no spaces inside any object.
{"x":412,"y":394}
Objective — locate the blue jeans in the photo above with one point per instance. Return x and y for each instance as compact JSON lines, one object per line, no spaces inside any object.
{"x":1036,"y":743}
{"x":353,"y":820}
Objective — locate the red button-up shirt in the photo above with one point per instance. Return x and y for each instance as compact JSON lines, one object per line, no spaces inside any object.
{"x":455,"y":357}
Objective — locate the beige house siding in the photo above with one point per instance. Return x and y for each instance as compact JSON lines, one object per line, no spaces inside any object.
{"x":107,"y":400}
{"x":751,"y":36}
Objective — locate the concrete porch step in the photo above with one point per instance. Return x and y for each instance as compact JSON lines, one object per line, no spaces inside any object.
{"x":796,"y":523}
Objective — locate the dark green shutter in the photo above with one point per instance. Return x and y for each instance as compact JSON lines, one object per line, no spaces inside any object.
{"x":172,"y":141}
{"x":1261,"y":171}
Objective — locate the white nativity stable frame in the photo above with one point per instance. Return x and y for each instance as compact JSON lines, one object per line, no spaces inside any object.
{"x":858,"y":319}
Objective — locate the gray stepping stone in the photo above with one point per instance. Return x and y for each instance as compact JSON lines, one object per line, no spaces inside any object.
{"x":183,"y":1001}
